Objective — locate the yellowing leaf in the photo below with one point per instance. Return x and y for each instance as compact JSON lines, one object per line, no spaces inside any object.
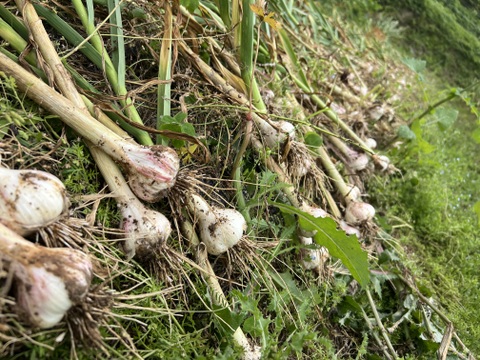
{"x":271,"y":21}
{"x":266,"y":17}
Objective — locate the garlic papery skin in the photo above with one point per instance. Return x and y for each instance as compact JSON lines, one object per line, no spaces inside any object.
{"x":276,"y":136}
{"x":48,"y":281}
{"x":359,"y":212}
{"x":144,"y":228}
{"x":219,"y":229}
{"x":151,"y":170}
{"x":30,"y":199}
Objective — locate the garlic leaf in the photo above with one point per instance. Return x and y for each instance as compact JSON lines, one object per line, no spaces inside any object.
{"x":340,"y":245}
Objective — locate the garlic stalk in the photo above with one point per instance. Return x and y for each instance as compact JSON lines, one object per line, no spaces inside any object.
{"x":220,"y":229}
{"x":144,"y":228}
{"x":151,"y":169}
{"x":30,"y":199}
{"x":48,"y":282}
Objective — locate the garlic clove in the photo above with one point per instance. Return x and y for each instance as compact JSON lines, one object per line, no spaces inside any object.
{"x":30,"y":199}
{"x":359,"y":212}
{"x":151,"y":170}
{"x":220,"y":229}
{"x":144,"y":228}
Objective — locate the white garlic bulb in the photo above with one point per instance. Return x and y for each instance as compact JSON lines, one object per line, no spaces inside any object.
{"x":30,"y":199}
{"x":316,"y":212}
{"x":220,"y":229}
{"x":48,"y":282}
{"x":274,"y":137}
{"x":145,"y":228}
{"x":358,"y":212}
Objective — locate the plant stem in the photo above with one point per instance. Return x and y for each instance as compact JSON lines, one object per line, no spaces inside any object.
{"x":165,"y":69}
{"x":380,"y":325}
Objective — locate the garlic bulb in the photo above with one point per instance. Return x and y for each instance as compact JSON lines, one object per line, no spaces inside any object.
{"x":30,"y":199}
{"x":144,"y":228}
{"x":358,"y":161}
{"x":48,"y":282}
{"x":371,"y":143}
{"x":382,"y":161}
{"x":312,"y":258}
{"x":150,"y":169}
{"x":349,"y":230}
{"x":274,"y":137}
{"x":353,"y":193}
{"x":359,"y":212}
{"x":220,"y":229}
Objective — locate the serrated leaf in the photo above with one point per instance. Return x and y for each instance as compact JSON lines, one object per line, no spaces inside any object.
{"x":405,"y":133}
{"x":346,"y":248}
{"x":313,"y":139}
{"x":446,"y":118}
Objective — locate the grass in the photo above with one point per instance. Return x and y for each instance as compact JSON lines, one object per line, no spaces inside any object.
{"x":166,"y":307}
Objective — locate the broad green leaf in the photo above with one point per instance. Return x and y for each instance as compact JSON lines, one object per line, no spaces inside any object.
{"x":191,"y":5}
{"x":346,"y":248}
{"x":476,"y":135}
{"x":405,"y":133}
{"x":476,"y":208}
{"x":446,"y":118}
{"x":313,"y":139}
{"x":424,"y":146}
{"x":416,"y":65}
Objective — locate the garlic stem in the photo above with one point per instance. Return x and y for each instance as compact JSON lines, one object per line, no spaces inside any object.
{"x":153,"y":169}
{"x":144,"y":228}
{"x":220,"y":229}
{"x":30,"y":199}
{"x":48,"y":281}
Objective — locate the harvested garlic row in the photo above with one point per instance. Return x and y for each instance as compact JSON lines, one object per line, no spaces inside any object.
{"x":30,"y":199}
{"x":219,"y":229}
{"x":48,"y":281}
